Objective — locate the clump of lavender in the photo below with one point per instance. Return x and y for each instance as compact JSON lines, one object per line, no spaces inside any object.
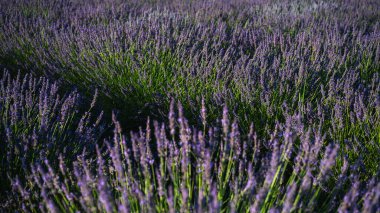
{"x":197,"y":171}
{"x":37,"y":124}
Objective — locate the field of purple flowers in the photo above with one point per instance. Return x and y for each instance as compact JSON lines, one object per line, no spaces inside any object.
{"x":189,"y":106}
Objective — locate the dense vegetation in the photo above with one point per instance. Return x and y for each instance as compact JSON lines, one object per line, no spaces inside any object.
{"x":189,"y":106}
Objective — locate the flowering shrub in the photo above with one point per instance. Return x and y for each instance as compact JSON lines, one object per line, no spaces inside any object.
{"x":195,"y":171}
{"x":37,"y":124}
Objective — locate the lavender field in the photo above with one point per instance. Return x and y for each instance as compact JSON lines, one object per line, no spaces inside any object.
{"x":190,"y":106}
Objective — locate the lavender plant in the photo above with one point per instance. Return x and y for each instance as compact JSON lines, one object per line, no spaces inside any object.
{"x":38,"y":124}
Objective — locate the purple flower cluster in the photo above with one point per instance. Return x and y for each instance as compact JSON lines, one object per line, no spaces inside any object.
{"x":38,"y":124}
{"x":201,"y":171}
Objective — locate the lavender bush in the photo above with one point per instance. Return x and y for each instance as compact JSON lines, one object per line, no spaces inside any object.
{"x":38,"y":124}
{"x":301,"y":81}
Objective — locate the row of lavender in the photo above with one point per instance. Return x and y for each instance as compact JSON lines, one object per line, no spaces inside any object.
{"x":166,"y":168}
{"x":300,"y":77}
